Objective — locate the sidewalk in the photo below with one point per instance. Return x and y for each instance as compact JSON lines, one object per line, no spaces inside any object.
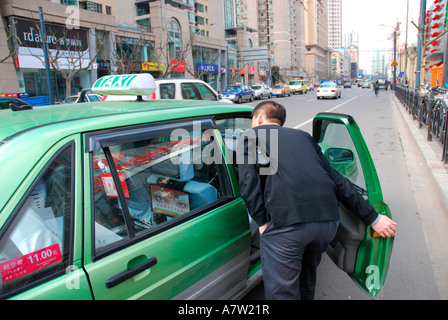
{"x":425,"y":158}
{"x":431,"y":152}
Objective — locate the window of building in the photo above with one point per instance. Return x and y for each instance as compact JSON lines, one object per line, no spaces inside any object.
{"x":142,"y":8}
{"x":174,"y":39}
{"x":91,"y":6}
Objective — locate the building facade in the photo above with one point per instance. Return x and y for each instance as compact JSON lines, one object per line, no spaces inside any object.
{"x":214,"y":40}
{"x":316,"y":40}
{"x":72,"y":36}
{"x":335,"y":40}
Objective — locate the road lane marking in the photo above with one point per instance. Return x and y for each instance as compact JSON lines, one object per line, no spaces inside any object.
{"x":334,"y":108}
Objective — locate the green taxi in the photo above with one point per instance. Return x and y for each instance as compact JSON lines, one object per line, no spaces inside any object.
{"x":140,"y":200}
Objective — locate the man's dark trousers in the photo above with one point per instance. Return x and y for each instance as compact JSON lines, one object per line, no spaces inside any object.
{"x":290,"y":256}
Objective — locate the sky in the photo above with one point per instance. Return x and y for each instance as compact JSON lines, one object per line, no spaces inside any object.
{"x":367,"y":16}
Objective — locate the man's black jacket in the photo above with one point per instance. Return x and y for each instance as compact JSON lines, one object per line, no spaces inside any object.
{"x":301,"y":187}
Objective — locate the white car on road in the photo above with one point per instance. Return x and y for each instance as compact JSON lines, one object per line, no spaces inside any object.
{"x":328,"y":90}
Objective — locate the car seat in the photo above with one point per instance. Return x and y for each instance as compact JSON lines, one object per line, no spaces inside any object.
{"x":200,"y":193}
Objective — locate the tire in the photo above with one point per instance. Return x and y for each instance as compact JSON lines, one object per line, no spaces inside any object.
{"x":240,"y":100}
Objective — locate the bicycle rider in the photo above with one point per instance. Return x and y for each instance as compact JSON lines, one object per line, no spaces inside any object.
{"x":376,"y":87}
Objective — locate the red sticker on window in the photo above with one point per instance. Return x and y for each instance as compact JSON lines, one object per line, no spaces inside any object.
{"x":109,"y":186}
{"x":30,"y":262}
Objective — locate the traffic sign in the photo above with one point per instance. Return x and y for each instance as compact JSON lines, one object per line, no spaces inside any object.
{"x":394,"y":64}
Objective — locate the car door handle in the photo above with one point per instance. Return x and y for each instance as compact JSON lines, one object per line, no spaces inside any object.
{"x":128,"y":274}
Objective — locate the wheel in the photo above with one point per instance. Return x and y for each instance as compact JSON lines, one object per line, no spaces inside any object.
{"x":240,"y":100}
{"x":251,"y":98}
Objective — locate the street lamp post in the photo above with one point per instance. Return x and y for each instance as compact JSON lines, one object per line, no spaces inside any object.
{"x":395,"y":34}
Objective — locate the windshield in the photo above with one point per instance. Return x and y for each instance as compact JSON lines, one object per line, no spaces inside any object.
{"x":256,"y":87}
{"x":295,"y":82}
{"x":327,"y":85}
{"x":233,"y":88}
{"x":278,"y":87}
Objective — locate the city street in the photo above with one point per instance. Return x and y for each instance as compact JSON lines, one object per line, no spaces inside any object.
{"x":418,"y":267}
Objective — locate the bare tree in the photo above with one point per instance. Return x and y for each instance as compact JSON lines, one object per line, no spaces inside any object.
{"x":12,"y":41}
{"x":128,"y":53}
{"x":164,"y":52}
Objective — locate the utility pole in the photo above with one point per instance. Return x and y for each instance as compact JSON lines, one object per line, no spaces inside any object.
{"x":395,"y":56}
{"x":421,"y":30}
{"x":406,"y":46}
{"x":47,"y":63}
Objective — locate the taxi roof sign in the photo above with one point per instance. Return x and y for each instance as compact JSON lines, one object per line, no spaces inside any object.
{"x":142,"y":84}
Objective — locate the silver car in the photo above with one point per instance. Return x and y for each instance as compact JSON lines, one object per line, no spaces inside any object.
{"x":261,"y":91}
{"x":328,"y":90}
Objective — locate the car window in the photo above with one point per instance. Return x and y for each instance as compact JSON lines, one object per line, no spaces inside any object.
{"x":71,"y":99}
{"x":205,"y":92}
{"x":189,"y":91}
{"x":93,"y":98}
{"x":163,"y":179}
{"x":231,"y":129}
{"x":4,"y":104}
{"x":336,"y":135}
{"x":233,"y":88}
{"x":167,"y":90}
{"x":36,"y":242}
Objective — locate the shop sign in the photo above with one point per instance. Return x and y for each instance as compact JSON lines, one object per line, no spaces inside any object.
{"x":251,"y":70}
{"x":177,"y":65}
{"x":152,"y":66}
{"x":207,"y":68}
{"x":57,"y":36}
{"x":104,"y":64}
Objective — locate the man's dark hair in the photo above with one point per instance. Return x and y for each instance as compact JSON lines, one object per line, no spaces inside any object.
{"x":274,"y":111}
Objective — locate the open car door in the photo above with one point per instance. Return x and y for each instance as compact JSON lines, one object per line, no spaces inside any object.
{"x":356,"y":248}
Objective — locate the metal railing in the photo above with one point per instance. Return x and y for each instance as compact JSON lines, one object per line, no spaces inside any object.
{"x":430,"y":110}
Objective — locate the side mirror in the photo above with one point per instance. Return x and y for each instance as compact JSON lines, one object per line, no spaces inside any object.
{"x":15,"y":107}
{"x":338,"y":155}
{"x":220,"y":97}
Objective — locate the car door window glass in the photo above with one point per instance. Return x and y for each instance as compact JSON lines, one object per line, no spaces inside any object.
{"x":231,"y":129}
{"x":4,"y":104}
{"x":205,"y":92}
{"x":162,"y":178}
{"x":189,"y":91}
{"x":337,"y":136}
{"x":36,"y":242}
{"x":167,"y":90}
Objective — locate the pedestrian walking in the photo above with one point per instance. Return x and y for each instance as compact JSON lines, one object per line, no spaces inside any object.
{"x":293,"y":197}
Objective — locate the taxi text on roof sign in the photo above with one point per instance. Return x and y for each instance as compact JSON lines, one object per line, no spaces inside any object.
{"x":115,"y":81}
{"x":126,"y":84}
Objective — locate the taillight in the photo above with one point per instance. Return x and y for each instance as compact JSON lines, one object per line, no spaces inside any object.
{"x":318,"y":90}
{"x":333,"y":90}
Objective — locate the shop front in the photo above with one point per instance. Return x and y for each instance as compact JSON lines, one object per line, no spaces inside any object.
{"x":208,"y":73}
{"x":68,"y":50}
